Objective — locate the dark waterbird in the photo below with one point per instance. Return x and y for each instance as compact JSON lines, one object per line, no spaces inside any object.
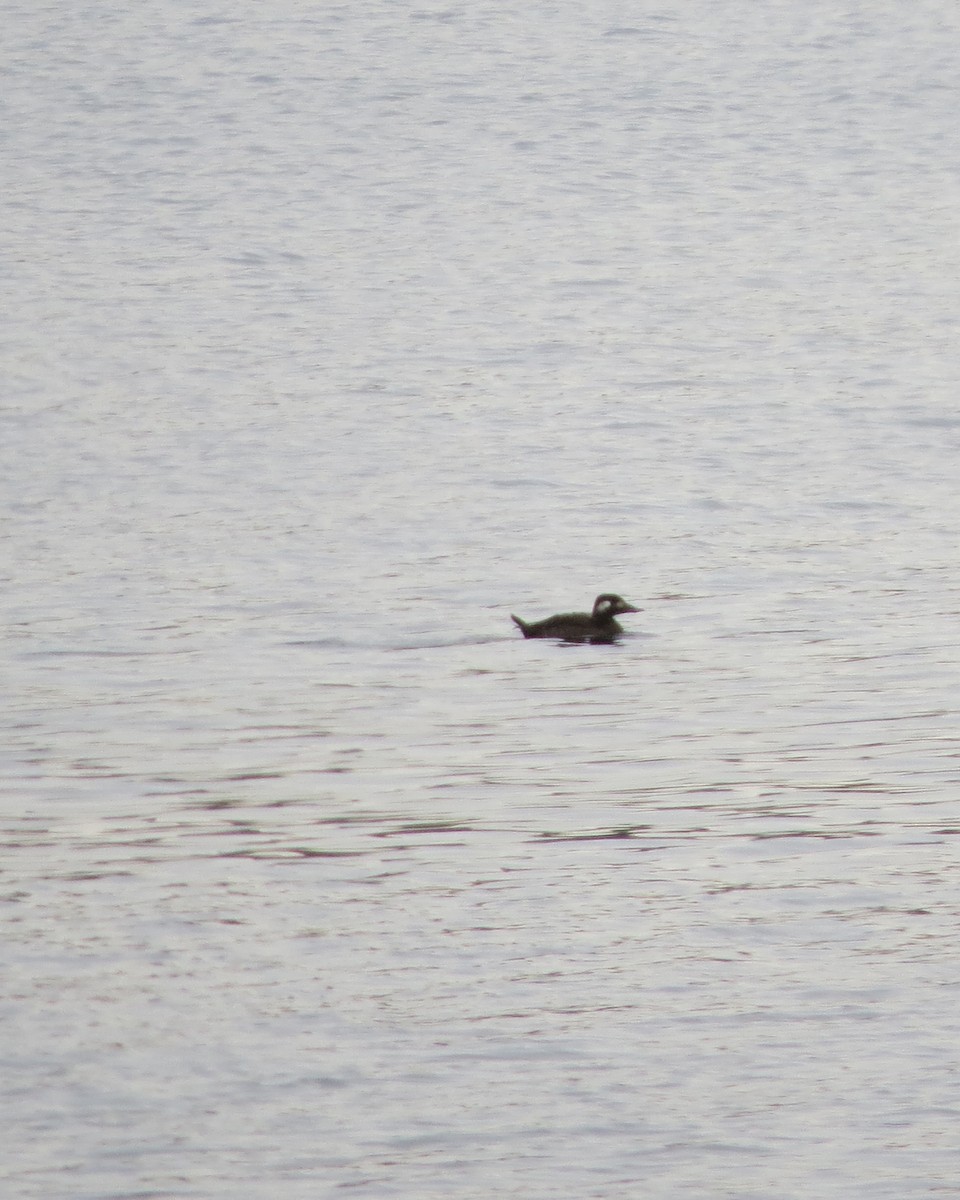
{"x":597,"y":626}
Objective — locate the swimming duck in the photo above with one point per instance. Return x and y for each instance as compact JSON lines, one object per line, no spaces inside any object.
{"x":596,"y":626}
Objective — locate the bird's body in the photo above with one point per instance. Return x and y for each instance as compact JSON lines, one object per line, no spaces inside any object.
{"x":596,"y":626}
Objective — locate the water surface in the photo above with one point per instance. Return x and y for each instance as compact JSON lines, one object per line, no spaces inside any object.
{"x":336,"y":335}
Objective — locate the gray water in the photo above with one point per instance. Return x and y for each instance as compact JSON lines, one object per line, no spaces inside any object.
{"x":333,"y":335}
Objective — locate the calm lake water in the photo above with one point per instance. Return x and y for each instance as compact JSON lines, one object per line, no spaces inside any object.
{"x":333,"y":335}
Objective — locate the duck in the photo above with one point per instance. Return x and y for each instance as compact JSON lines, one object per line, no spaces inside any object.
{"x":597,"y":626}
